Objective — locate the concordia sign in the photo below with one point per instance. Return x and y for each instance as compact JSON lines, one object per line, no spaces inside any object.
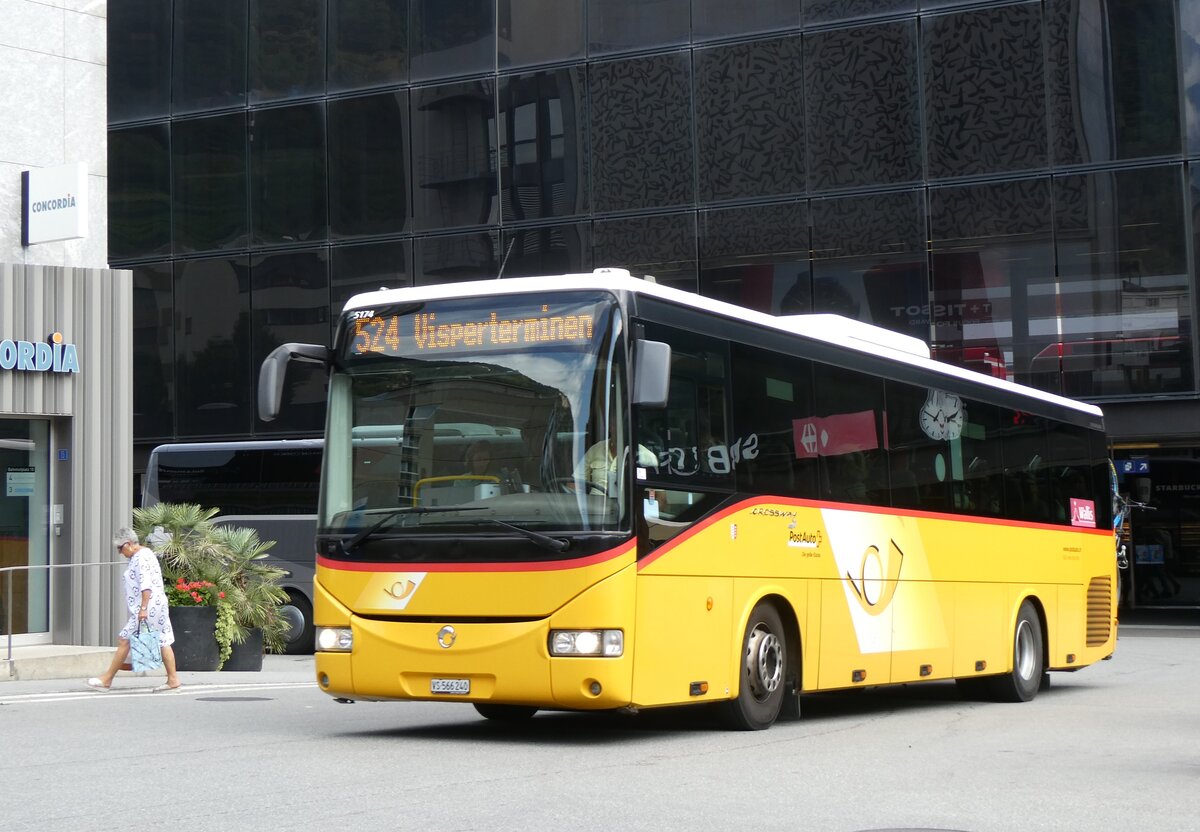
{"x":51,"y":355}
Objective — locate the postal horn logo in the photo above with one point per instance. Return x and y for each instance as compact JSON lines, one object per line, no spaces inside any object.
{"x":401,"y":589}
{"x":877,"y":578}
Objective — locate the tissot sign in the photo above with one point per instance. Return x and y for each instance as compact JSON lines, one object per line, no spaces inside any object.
{"x":53,"y":355}
{"x":54,"y":204}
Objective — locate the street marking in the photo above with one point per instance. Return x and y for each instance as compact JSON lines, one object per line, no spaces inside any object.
{"x":126,"y":693}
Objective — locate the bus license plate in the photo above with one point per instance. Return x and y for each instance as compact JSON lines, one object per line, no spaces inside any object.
{"x":455,"y":686}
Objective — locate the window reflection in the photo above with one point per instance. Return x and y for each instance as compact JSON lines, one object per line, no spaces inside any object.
{"x":538,"y":31}
{"x":368,"y":43}
{"x":757,"y":256}
{"x":139,"y":218}
{"x":662,"y":246}
{"x":720,"y":18}
{"x":212,"y":348}
{"x":993,"y":267}
{"x":287,"y":48}
{"x":454,"y":257}
{"x":553,"y":249}
{"x":832,"y":11}
{"x":366,"y":268}
{"x":869,"y":260}
{"x":208,"y":199}
{"x":368,"y":165}
{"x":543,"y":144}
{"x":287,"y":174}
{"x":750,"y":119}
{"x":208,"y":68}
{"x":452,"y":38}
{"x":1123,"y":310}
{"x":139,"y":60}
{"x":1113,"y":79}
{"x":290,"y":300}
{"x":454,"y":155}
{"x":153,"y":352}
{"x":619,"y":25}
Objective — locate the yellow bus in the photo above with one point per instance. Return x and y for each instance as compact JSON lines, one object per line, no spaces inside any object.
{"x":592,"y":492}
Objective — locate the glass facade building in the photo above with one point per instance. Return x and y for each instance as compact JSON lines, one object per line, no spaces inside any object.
{"x":1016,"y":183}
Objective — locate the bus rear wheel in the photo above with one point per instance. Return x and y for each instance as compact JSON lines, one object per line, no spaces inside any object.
{"x":1022,"y":684}
{"x":763,"y":669}
{"x":297,"y":612}
{"x":504,"y":713}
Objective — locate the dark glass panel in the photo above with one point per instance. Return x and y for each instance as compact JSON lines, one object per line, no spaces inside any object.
{"x":452,"y":38}
{"x":208,"y":197}
{"x":851,"y":436}
{"x":1189,"y":24}
{"x":833,"y":11}
{"x":985,"y":99}
{"x":212,"y":347}
{"x":209,"y":56}
{"x":1113,"y":82}
{"x":289,"y":301}
{"x":543,"y":144}
{"x":1123,"y":312}
{"x":750,"y":119}
{"x":862,"y":107}
{"x":153,"y":352}
{"x":1026,"y":467}
{"x":454,"y":155}
{"x":287,"y":174}
{"x":757,"y":257}
{"x":139,"y":60}
{"x":368,"y":43}
{"x":287,"y":49}
{"x":722,"y":18}
{"x":368,"y":268}
{"x":641,"y":133}
{"x":549,"y":249}
{"x":941,"y":4}
{"x":621,"y":25}
{"x":539,"y":31}
{"x":993,"y":274}
{"x":921,"y":468}
{"x":869,"y":260}
{"x":662,"y":246}
{"x":139,"y":192}
{"x":456,"y":257}
{"x":368,"y":165}
{"x":771,"y":395}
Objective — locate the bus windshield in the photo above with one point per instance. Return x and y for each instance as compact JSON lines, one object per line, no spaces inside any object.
{"x":472,"y":416}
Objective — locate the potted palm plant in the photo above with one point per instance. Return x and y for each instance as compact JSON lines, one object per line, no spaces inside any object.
{"x":245,"y":597}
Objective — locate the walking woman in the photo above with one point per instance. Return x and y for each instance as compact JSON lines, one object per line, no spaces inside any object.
{"x":147,"y":602}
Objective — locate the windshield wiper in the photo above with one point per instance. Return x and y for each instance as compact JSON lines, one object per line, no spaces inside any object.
{"x":554,"y":544}
{"x":350,"y":545}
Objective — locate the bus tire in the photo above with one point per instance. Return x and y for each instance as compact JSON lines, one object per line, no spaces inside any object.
{"x":762,"y":670}
{"x":1022,"y":684}
{"x":297,"y":612}
{"x":504,"y":713}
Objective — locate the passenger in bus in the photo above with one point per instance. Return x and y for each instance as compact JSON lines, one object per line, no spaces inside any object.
{"x":478,"y":458}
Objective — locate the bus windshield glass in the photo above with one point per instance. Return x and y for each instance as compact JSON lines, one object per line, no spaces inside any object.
{"x":470,"y":416}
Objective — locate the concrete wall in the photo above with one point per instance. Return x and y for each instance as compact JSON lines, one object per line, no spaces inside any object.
{"x":53,"y":110}
{"x":91,"y":415}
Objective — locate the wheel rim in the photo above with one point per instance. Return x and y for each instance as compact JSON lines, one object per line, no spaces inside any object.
{"x":764,"y":662}
{"x":1026,"y":658}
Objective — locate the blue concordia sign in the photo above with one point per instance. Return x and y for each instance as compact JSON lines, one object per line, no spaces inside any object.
{"x":49,"y":356}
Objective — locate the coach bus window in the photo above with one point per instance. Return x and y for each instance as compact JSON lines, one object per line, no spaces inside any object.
{"x":849,"y":407}
{"x":1026,"y":492}
{"x":923,"y":425}
{"x":981,"y":490}
{"x":1073,"y":500}
{"x":773,"y":407}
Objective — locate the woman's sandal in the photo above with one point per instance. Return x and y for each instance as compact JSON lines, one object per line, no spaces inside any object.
{"x":96,"y":684}
{"x":169,"y":689}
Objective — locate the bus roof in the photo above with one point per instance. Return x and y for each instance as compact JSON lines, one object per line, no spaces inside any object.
{"x":837,"y":330}
{"x":242,"y":445}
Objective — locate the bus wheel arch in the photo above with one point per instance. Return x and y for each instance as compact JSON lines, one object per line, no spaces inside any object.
{"x":767,"y":666}
{"x":1029,"y":655}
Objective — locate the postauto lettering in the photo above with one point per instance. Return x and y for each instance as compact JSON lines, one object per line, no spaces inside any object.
{"x":39,"y":356}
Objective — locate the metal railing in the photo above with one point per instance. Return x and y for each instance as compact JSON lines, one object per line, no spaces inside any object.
{"x":7,"y":579}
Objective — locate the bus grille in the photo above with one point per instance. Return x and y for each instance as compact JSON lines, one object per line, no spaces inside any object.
{"x":1099,"y":611}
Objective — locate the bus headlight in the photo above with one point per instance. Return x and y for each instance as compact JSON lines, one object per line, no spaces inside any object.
{"x":335,"y":639}
{"x":587,"y":642}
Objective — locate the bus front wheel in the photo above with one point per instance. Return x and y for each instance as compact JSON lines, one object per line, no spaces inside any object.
{"x":762,"y":670}
{"x":1023,"y":682}
{"x":297,"y":612}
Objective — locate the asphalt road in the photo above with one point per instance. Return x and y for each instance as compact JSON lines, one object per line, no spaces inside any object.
{"x":1111,"y":747}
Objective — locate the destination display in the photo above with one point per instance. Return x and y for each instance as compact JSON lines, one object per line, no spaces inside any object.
{"x":449,"y":327}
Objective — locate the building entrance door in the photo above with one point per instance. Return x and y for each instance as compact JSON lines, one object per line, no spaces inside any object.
{"x":24,"y":529}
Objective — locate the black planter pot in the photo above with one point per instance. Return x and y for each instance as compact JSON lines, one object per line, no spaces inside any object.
{"x":248,"y":655}
{"x":195,"y":638}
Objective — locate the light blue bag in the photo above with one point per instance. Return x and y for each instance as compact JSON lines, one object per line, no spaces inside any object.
{"x":145,"y":652}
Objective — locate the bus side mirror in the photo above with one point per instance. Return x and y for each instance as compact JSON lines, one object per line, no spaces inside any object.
{"x":651,"y":373}
{"x":273,"y":369}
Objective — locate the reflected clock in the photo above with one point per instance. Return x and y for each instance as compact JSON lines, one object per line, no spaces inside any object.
{"x":942,"y":415}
